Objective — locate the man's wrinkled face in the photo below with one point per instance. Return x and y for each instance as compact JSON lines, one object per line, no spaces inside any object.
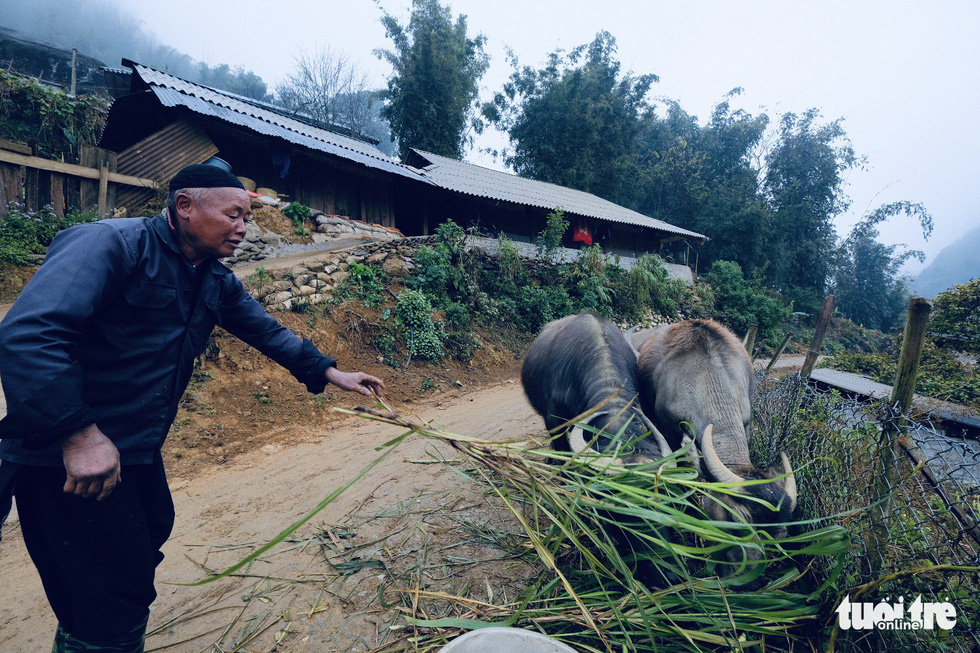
{"x":212,"y":222}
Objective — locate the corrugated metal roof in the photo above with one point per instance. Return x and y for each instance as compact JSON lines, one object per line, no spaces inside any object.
{"x":175,"y":92}
{"x":493,"y":184}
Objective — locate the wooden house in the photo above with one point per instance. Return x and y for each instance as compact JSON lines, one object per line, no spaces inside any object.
{"x":164,"y":123}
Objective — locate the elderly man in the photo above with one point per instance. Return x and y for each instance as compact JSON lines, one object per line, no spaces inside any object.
{"x":94,"y":357}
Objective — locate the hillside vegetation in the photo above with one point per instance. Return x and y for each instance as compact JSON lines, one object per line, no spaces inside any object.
{"x":455,"y":303}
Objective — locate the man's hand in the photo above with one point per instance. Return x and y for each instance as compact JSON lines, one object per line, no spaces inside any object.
{"x":92,"y":463}
{"x":355,"y":381}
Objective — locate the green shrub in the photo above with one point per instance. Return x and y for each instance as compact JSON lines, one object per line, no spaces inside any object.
{"x":844,"y":335}
{"x":955,"y":321}
{"x":537,"y":305}
{"x":592,"y":293}
{"x":740,"y":303}
{"x":941,"y":375}
{"x":549,"y":240}
{"x":452,"y":237}
{"x":697,"y":301}
{"x":511,"y":267}
{"x":57,"y":123}
{"x":431,"y":274}
{"x":646,"y":287}
{"x":458,"y":316}
{"x":423,"y":335}
{"x":24,"y":235}
{"x":440,"y":271}
{"x":299,"y":214}
{"x":366,"y":284}
{"x":258,"y":278}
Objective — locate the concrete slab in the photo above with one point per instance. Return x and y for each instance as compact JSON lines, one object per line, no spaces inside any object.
{"x":866,"y":387}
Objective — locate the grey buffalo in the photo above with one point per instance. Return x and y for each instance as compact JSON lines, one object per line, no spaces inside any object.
{"x":698,"y":372}
{"x":574,"y":365}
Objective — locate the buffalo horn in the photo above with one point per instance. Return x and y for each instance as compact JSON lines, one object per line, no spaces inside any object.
{"x":656,"y":436}
{"x":790,"y":483}
{"x":578,"y":444}
{"x":577,"y":441}
{"x":629,"y":340}
{"x":715,"y":467}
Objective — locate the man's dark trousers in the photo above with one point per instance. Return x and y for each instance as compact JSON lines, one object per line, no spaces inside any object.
{"x":97,"y":558}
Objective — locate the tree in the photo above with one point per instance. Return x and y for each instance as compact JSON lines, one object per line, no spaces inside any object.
{"x":702,"y":178}
{"x":327,"y":87}
{"x":579,"y":122}
{"x":741,"y":303}
{"x":866,"y":275}
{"x":672,"y":188}
{"x":955,"y":319}
{"x":433,"y":88}
{"x":576,"y":122}
{"x":239,"y":81}
{"x":804,"y":183}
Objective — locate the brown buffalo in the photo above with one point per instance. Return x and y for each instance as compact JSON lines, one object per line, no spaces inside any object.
{"x":697,"y":372}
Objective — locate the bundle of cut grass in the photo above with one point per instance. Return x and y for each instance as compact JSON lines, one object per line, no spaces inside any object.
{"x":632,"y":561}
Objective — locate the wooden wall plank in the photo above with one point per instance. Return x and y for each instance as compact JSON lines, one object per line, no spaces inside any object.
{"x":57,"y":194}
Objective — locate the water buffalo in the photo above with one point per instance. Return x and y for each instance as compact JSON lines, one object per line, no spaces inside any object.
{"x":698,"y":372}
{"x":575,"y":364}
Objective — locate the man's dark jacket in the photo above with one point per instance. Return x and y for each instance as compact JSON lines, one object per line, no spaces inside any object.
{"x":107,"y":332}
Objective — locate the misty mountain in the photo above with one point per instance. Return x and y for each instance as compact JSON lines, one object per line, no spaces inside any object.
{"x":103,"y":32}
{"x":956,"y":264}
{"x":106,"y":33}
{"x":98,"y":29}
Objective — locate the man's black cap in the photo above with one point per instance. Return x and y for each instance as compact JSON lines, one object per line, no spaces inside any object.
{"x":202,"y":175}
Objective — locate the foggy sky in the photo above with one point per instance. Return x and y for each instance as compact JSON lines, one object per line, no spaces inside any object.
{"x":905,"y":76}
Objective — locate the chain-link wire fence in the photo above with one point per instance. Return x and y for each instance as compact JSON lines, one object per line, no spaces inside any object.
{"x":909,"y":494}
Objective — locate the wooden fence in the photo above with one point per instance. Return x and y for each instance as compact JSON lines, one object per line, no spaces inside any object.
{"x":35,"y":182}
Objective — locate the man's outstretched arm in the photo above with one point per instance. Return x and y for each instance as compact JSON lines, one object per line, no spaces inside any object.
{"x":355,"y":381}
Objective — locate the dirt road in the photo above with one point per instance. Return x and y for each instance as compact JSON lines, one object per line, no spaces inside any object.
{"x":294,"y":595}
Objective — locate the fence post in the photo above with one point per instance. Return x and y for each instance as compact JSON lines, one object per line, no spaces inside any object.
{"x":103,"y":202}
{"x":97,"y":194}
{"x":811,"y":358}
{"x":32,"y":187}
{"x":12,"y":177}
{"x":888,"y":475}
{"x":779,"y":352}
{"x":908,"y":364}
{"x":57,"y":194}
{"x":749,"y":342}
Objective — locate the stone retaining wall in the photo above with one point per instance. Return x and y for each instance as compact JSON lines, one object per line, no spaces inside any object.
{"x":260,"y":244}
{"x":313,"y":281}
